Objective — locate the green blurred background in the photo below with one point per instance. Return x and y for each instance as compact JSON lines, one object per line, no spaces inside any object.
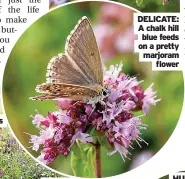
{"x":150,"y":5}
{"x":46,"y":38}
{"x":153,"y":5}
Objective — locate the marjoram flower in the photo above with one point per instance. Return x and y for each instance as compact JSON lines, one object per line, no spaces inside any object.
{"x":113,"y":118}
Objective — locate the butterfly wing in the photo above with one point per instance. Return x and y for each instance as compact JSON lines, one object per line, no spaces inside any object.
{"x":62,"y":70}
{"x":45,"y":97}
{"x":56,"y":91}
{"x":78,"y":73}
{"x":81,"y":47}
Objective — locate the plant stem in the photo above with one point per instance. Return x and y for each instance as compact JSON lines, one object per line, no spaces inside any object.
{"x":98,"y":160}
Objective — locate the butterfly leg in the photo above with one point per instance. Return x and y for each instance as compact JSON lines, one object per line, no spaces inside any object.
{"x":93,"y":109}
{"x":102,"y":103}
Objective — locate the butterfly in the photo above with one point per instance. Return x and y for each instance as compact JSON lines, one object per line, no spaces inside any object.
{"x":78,"y":73}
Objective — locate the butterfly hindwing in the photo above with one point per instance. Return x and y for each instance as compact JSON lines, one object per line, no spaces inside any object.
{"x":45,"y":97}
{"x":56,"y":91}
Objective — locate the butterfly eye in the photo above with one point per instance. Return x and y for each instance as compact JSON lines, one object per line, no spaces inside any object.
{"x":105,"y":92}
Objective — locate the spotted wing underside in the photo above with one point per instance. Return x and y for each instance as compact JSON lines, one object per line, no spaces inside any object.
{"x":57,"y":91}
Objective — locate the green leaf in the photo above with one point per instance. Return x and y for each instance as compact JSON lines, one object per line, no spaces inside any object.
{"x":83,"y":160}
{"x":104,"y":142}
{"x":91,"y":162}
{"x":92,"y":131}
{"x":77,"y":165}
{"x":79,"y":151}
{"x":139,"y":2}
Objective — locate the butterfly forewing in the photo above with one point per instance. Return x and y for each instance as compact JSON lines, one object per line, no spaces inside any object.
{"x":82,"y":48}
{"x":62,"y":70}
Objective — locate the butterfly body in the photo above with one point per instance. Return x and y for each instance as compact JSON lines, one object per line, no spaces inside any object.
{"x":78,"y":73}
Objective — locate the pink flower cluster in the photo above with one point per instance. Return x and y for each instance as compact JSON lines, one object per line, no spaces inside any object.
{"x":115,"y":26}
{"x":113,"y":118}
